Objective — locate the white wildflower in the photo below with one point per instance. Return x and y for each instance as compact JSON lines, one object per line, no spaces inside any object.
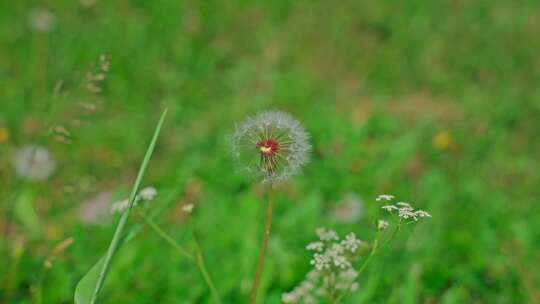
{"x":384,"y":197}
{"x":326,"y":235}
{"x":351,"y":243}
{"x":148,"y":193}
{"x":390,"y":208}
{"x":188,"y":208}
{"x":119,"y":206}
{"x":321,"y":261}
{"x":316,"y":246}
{"x":34,"y":163}
{"x":422,"y":213}
{"x":382,"y":225}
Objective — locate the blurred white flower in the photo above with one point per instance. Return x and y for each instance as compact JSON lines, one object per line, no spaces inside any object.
{"x":384,"y":197}
{"x":349,"y":209}
{"x":332,"y":270}
{"x":148,"y":193}
{"x":382,"y":225}
{"x":272,"y":145}
{"x":33,"y":163}
{"x":188,"y":208}
{"x":41,"y":20}
{"x":92,"y":210}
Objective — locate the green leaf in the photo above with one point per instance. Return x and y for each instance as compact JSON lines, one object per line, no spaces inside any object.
{"x":89,"y":286}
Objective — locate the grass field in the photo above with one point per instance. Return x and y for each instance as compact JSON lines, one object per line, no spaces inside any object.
{"x":436,"y":102}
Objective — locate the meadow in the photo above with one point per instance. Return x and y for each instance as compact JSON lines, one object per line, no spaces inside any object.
{"x":435,"y":102}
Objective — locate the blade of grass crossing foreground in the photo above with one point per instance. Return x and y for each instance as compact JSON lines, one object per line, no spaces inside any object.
{"x":120,"y":227}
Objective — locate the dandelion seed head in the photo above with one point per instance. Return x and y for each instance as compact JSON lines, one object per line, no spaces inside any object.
{"x":41,"y":20}
{"x":34,"y":163}
{"x":272,"y":145}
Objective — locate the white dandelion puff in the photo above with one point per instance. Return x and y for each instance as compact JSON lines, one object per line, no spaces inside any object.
{"x":34,"y":163}
{"x":272,"y":145}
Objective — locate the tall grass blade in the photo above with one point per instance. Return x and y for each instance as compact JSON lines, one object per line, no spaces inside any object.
{"x":88,"y":288}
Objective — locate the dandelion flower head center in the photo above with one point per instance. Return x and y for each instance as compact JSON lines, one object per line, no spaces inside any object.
{"x":268,"y":147}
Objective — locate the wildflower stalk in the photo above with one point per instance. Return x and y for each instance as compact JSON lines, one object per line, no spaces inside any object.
{"x":123,"y":220}
{"x":373,"y":251}
{"x":166,"y":237}
{"x":262,"y":254}
{"x":202,"y":268}
{"x":198,"y":259}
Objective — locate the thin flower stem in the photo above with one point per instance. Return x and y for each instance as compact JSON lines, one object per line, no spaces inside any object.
{"x":197,"y":259}
{"x":363,"y":267}
{"x":202,"y":267}
{"x":262,"y":254}
{"x":166,"y":237}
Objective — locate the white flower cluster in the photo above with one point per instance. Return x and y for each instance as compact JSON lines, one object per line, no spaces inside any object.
{"x":146,"y":194}
{"x":404,"y":210}
{"x":333,"y":270}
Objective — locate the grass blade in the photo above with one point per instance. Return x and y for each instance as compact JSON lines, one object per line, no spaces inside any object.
{"x":96,"y":276}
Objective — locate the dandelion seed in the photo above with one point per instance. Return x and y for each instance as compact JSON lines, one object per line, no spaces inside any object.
{"x":33,"y":163}
{"x":272,"y":145}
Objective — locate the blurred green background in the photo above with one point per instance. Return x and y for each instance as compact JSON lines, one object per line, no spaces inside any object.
{"x":436,"y":102}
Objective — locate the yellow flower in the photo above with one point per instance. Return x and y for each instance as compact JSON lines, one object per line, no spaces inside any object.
{"x":4,"y":135}
{"x":443,"y":140}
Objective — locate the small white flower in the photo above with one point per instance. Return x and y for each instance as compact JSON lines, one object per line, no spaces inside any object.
{"x":148,"y":193}
{"x":382,"y":225}
{"x":119,"y":206}
{"x":341,"y":262}
{"x":403,"y":205}
{"x":326,"y":235}
{"x":317,"y":246}
{"x":188,"y":208}
{"x":320,"y":261}
{"x":390,"y":208}
{"x":422,"y":213}
{"x":384,"y":197}
{"x":351,"y":243}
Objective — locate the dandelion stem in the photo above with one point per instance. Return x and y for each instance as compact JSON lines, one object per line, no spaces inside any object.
{"x":262,"y":254}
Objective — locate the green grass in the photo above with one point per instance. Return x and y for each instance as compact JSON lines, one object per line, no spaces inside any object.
{"x":373,"y":82}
